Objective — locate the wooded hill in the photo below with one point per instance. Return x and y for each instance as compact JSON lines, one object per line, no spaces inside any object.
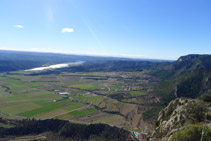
{"x":65,"y":129}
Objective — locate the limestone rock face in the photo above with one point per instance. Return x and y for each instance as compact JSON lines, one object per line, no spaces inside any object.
{"x":179,"y":113}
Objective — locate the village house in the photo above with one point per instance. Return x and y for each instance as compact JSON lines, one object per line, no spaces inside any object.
{"x":64,"y":93}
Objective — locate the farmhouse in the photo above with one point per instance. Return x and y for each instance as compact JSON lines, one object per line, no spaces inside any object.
{"x":64,"y":93}
{"x":56,"y":91}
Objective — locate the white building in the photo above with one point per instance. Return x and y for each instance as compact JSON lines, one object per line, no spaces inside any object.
{"x":64,"y":93}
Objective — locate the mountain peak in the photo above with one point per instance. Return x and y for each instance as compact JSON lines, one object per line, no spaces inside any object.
{"x":193,"y":56}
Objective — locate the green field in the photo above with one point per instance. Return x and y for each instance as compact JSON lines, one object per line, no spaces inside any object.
{"x":83,"y":113}
{"x":89,"y":99}
{"x":18,"y":107}
{"x":115,"y":89}
{"x":2,"y":90}
{"x":6,"y":125}
{"x":73,"y":107}
{"x":45,"y":109}
{"x":109,"y":119}
{"x":18,"y":97}
{"x":87,"y":87}
{"x":137,"y":93}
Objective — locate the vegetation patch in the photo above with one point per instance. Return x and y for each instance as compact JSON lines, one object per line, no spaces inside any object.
{"x":192,"y":133}
{"x":6,"y":125}
{"x":50,"y":114}
{"x":109,"y":119}
{"x":2,"y":89}
{"x":83,"y":113}
{"x":116,"y":88}
{"x":18,"y":97}
{"x":71,"y":131}
{"x":45,"y":109}
{"x":73,"y":107}
{"x":18,"y":107}
{"x":132,"y":128}
{"x":87,"y":87}
{"x":151,"y":113}
{"x":89,"y":99}
{"x":43,"y":102}
{"x":137,"y":93}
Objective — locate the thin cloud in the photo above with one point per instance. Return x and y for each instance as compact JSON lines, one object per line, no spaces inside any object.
{"x":19,"y":26}
{"x":67,"y":30}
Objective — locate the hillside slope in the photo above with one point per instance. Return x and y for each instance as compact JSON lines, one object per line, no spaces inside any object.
{"x":189,"y":76}
{"x":62,"y":130}
{"x":184,"y":119}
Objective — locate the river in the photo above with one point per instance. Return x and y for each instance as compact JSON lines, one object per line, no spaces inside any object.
{"x":56,"y":66}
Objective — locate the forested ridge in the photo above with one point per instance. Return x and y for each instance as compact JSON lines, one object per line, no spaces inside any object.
{"x":65,"y":129}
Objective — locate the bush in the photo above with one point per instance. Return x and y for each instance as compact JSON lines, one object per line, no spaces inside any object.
{"x":151,"y":113}
{"x":191,"y":87}
{"x":192,"y":133}
{"x":196,"y":111}
{"x":206,"y":98}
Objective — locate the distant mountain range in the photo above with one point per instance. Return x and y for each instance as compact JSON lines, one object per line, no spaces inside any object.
{"x":19,"y":60}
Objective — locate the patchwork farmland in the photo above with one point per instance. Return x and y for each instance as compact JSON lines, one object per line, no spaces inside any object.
{"x":101,"y":97}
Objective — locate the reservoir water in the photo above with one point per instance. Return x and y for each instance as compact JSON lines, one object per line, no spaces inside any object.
{"x":56,"y":66}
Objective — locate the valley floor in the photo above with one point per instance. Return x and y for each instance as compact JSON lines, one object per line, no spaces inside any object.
{"x":115,"y":98}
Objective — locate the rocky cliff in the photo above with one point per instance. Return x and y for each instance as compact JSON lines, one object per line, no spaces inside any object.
{"x":179,"y":115}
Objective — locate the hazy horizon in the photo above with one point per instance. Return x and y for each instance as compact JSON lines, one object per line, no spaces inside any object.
{"x":84,"y":54}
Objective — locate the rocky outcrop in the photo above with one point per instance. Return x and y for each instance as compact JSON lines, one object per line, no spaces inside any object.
{"x":179,"y":113}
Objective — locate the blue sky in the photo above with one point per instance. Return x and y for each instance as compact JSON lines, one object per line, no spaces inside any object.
{"x":162,"y":29}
